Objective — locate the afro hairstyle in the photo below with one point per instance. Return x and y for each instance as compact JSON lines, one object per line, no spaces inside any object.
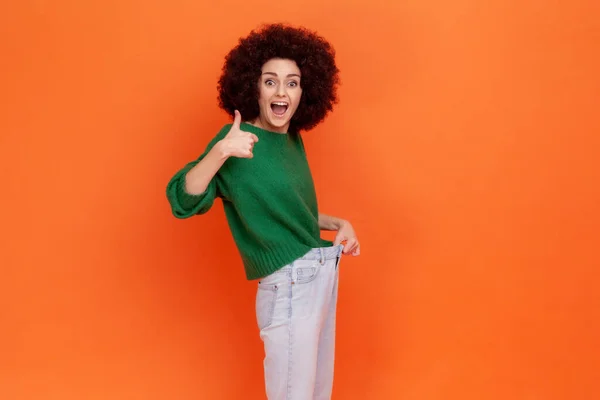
{"x":314,"y":56}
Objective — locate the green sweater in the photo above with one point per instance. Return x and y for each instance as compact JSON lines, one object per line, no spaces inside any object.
{"x":269,"y":200}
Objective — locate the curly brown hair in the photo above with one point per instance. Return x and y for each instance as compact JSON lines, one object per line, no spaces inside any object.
{"x":315,"y":57}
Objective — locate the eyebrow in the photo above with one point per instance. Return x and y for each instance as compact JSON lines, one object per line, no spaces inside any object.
{"x":274,"y":74}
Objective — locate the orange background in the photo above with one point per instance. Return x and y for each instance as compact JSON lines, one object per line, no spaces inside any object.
{"x":463,"y":150}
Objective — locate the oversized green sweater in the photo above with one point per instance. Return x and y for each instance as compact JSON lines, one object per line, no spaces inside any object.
{"x":269,"y":200}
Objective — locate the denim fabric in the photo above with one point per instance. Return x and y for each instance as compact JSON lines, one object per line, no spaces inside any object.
{"x":295,"y":312}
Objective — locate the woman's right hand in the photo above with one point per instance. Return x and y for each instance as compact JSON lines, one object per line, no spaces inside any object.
{"x":238,"y":143}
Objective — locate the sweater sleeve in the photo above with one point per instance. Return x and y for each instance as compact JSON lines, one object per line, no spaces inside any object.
{"x":184,"y":204}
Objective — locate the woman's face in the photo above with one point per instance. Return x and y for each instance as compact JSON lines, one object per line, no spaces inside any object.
{"x":279,"y":94}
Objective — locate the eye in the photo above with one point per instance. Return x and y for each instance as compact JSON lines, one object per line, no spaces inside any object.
{"x":269,"y":82}
{"x":293,"y":84}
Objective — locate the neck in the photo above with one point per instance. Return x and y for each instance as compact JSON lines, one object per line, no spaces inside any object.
{"x":259,"y":123}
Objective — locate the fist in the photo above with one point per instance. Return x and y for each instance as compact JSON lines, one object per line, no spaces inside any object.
{"x":238,"y":143}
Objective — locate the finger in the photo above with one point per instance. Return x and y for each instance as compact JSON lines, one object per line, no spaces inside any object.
{"x":356,"y":251}
{"x":352,"y":243}
{"x":338,"y":240}
{"x":237,"y":119}
{"x":255,"y":138}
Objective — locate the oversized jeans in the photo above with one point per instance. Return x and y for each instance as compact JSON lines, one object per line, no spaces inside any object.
{"x":295,"y":312}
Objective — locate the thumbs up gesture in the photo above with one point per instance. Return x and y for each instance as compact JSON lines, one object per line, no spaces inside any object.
{"x":238,"y":143}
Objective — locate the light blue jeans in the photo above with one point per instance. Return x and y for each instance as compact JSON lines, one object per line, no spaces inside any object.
{"x":295,"y":312}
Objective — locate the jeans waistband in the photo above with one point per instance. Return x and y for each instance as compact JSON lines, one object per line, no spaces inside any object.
{"x":323,"y":253}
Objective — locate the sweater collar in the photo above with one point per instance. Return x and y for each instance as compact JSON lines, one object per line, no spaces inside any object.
{"x":258,"y":131}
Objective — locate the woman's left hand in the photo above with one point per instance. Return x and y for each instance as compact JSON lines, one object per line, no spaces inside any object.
{"x":346,"y":234}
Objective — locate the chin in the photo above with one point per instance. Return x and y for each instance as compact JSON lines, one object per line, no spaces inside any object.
{"x":279,"y":121}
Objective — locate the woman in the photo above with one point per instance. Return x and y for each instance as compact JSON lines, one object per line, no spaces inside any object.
{"x":275,"y":83}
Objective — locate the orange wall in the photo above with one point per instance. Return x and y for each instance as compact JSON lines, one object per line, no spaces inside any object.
{"x":463,"y":150}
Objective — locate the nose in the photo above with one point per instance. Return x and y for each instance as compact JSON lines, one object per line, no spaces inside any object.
{"x":280,"y":90}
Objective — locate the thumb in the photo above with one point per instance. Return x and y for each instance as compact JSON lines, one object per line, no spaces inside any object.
{"x":338,"y":239}
{"x":237,"y":119}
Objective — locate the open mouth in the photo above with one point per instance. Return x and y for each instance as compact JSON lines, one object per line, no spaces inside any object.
{"x":279,"y":108}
